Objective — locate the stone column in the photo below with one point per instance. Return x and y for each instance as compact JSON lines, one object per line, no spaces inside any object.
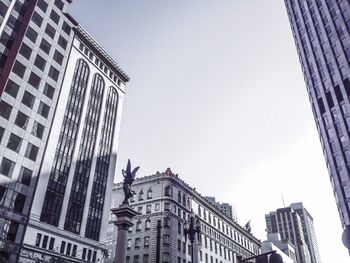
{"x":124,"y":214}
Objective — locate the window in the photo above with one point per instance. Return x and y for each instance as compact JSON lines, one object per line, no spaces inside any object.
{"x":2,"y":131}
{"x":166,"y":257}
{"x":145,"y":258}
{"x":139,"y":210}
{"x":43,"y":109}
{"x":28,"y":99}
{"x":62,"y":42}
{"x":167,"y":191}
{"x":11,"y":88}
{"x":69,"y":246}
{"x":128,"y":244}
{"x":166,"y":222}
{"x":45,"y":46}
{"x":63,"y":246}
{"x":6,"y":167}
{"x":38,"y":130}
{"x":52,"y":243}
{"x":42,"y":5}
{"x":157,"y":207}
{"x":34,"y":80}
{"x":137,"y":242}
{"x":149,"y":193}
{"x":14,"y":143}
{"x":25,"y":51}
{"x":141,"y":195}
{"x":12,"y":231}
{"x":148,"y":209}
{"x":19,"y":200}
{"x":40,"y":62}
{"x":46,"y":238}
{"x":31,"y":152}
{"x":53,"y":73}
{"x":21,"y":120}
{"x":54,"y":16}
{"x":50,"y":31}
{"x":19,"y":69}
{"x":59,"y":4}
{"x":138,"y":225}
{"x":74,"y":252}
{"x":166,"y":206}
{"x":25,"y":176}
{"x":31,"y":34}
{"x":66,"y":28}
{"x":146,"y":241}
{"x":166,"y":240}
{"x":148,"y":224}
{"x":37,"y":19}
{"x":49,"y":91}
{"x":58,"y":57}
{"x":5,"y":110}
{"x":37,"y":240}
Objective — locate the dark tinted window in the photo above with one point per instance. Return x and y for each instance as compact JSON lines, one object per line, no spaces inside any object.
{"x":19,"y":202}
{"x":50,"y":31}
{"x":54,"y":17}
{"x":5,"y":109}
{"x":6,"y":167}
{"x":53,"y":73}
{"x":49,"y":91}
{"x":43,"y":109}
{"x":25,"y":51}
{"x":45,"y":46}
{"x":21,"y":120}
{"x":62,"y":42}
{"x":38,"y":130}
{"x":19,"y":69}
{"x":66,"y":28}
{"x":12,"y":231}
{"x":20,"y":8}
{"x":14,"y":143}
{"x":58,"y":57}
{"x":42,"y":5}
{"x":2,"y":131}
{"x":31,"y":152}
{"x":28,"y":99}
{"x":34,"y":80}
{"x":11,"y":88}
{"x":31,"y":34}
{"x":37,"y":19}
{"x":40,"y":62}
{"x":59,"y":4}
{"x":25,"y":176}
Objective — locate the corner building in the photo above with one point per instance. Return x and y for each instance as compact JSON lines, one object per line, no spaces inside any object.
{"x":166,"y":198}
{"x":321,"y":31}
{"x":60,"y":112}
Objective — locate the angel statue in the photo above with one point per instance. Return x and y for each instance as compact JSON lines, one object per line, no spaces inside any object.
{"x":129,"y":177}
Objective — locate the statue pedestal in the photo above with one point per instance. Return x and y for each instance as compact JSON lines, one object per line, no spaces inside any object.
{"x":124,"y":214}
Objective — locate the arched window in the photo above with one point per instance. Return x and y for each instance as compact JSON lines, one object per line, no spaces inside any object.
{"x":149,"y":193}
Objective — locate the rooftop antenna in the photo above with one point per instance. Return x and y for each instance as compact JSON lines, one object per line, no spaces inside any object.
{"x":284,"y":205}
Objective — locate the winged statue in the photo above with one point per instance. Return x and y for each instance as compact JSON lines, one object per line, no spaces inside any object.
{"x":129,"y":177}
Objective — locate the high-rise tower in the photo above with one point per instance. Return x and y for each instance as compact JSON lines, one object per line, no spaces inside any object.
{"x":60,"y":111}
{"x":321,"y":31}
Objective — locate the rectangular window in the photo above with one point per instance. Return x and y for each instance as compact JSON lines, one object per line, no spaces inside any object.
{"x":31,"y":34}
{"x":2,"y":131}
{"x":58,"y":57}
{"x":42,"y":5}
{"x":12,"y":88}
{"x":34,"y":80}
{"x":53,"y":73}
{"x":66,"y":28}
{"x":12,"y":231}
{"x":20,"y":8}
{"x":38,"y":130}
{"x":49,"y":91}
{"x":19,"y":201}
{"x":54,"y":17}
{"x":59,"y":4}
{"x":37,"y":19}
{"x":62,"y":42}
{"x":74,"y":252}
{"x":14,"y":143}
{"x":43,"y":109}
{"x":31,"y":152}
{"x":63,"y":247}
{"x":25,"y":176}
{"x":19,"y":69}
{"x":5,"y":109}
{"x":50,"y":31}
{"x":52,"y":243}
{"x":21,"y":120}
{"x":25,"y":51}
{"x":6,"y":167}
{"x":69,"y":246}
{"x":40,"y":62}
{"x":45,"y":46}
{"x":28,"y":99}
{"x":83,"y":256}
{"x":37,"y":240}
{"x":45,"y":239}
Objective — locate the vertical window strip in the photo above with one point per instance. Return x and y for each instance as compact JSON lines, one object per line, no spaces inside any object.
{"x":86,"y":150}
{"x":62,"y":161}
{"x":102,"y":165}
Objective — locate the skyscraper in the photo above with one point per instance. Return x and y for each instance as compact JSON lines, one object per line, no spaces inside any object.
{"x":60,"y":112}
{"x":288,"y":224}
{"x":321,"y":31}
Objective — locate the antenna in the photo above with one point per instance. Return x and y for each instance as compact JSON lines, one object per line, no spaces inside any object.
{"x":284,"y":205}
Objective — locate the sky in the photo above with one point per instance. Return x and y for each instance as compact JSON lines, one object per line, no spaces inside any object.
{"x":217,"y":94}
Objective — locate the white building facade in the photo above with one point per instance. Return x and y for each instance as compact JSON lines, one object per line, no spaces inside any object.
{"x":166,"y":198}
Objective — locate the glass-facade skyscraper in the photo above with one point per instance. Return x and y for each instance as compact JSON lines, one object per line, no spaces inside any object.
{"x":321,"y":30}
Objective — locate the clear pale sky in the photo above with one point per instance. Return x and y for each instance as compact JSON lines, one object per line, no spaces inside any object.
{"x":217,"y":95}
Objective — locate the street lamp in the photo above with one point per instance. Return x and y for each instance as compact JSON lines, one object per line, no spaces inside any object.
{"x":263,"y":258}
{"x":192,"y":228}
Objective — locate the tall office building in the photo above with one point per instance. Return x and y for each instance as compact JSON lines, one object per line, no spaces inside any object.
{"x":226,"y":208}
{"x":321,"y":31}
{"x":60,"y":110}
{"x":309,"y":231}
{"x":166,"y":198}
{"x":288,"y":224}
